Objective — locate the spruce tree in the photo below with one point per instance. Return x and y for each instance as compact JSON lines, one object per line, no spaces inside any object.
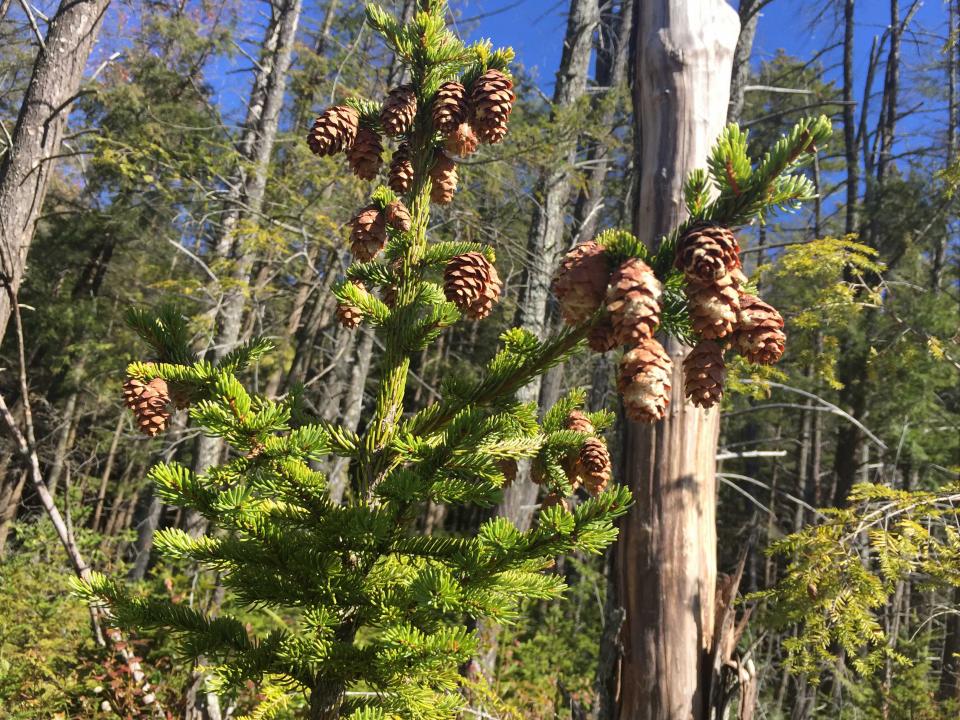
{"x":371,"y":617}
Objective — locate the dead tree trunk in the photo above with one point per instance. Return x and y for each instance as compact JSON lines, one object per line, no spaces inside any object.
{"x":849,"y":120}
{"x":546,"y":232}
{"x":749,"y":19}
{"x":953,"y":119}
{"x":36,"y":140}
{"x":666,"y":556}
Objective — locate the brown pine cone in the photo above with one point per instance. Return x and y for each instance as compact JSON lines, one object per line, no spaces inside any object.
{"x":714,"y":305}
{"x":470,"y":281}
{"x":149,"y":402}
{"x":401,"y":169}
{"x":706,"y":253}
{"x":552,"y":500}
{"x":593,"y":466}
{"x":462,"y":142}
{"x":580,"y":283}
{"x":444,"y":177}
{"x":398,"y":111}
{"x":759,"y":336}
{"x":334,"y":131}
{"x":509,"y":469}
{"x":633,"y":301}
{"x":579,"y":422}
{"x":449,"y":107}
{"x":491,"y":99}
{"x":350,"y":316}
{"x":644,"y":381}
{"x":369,"y":233}
{"x":397,"y":215}
{"x":703,"y":373}
{"x":602,"y":337}
{"x":364,"y":154}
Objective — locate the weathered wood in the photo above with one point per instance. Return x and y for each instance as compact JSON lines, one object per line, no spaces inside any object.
{"x":25,"y":172}
{"x":666,"y":556}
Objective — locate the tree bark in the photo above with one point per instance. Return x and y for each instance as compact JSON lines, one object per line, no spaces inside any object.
{"x":107,"y":470}
{"x":351,"y":411}
{"x":37,"y":137}
{"x":666,"y":556}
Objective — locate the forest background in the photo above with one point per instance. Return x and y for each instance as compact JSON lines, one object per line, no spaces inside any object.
{"x":155,"y":154}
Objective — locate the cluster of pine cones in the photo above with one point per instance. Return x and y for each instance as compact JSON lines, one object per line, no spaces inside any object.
{"x":722,"y":317}
{"x":463,"y":118}
{"x":590,"y":469}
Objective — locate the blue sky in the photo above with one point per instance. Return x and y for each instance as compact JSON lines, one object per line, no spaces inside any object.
{"x":535,"y":27}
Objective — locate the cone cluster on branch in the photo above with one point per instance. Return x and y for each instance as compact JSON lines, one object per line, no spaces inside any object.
{"x":368,"y":234}
{"x":709,"y":257}
{"x":630,"y":300}
{"x":148,"y":402}
{"x":471,"y":282}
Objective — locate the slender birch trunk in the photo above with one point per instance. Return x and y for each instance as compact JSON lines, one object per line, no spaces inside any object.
{"x":37,"y":137}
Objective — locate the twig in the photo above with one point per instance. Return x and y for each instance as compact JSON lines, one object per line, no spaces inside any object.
{"x":33,"y":24}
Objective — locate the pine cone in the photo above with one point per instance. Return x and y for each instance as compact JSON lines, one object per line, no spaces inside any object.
{"x":706,"y":253}
{"x":580,"y":283}
{"x":470,"y":281}
{"x":148,"y":401}
{"x":397,"y":215}
{"x":633,"y":301}
{"x":449,"y":107}
{"x":462,"y":142}
{"x":509,"y":469}
{"x":602,"y":337}
{"x":364,"y":154}
{"x":644,"y":381}
{"x":491,"y":99}
{"x":369,"y":233}
{"x":578,"y":422}
{"x":398,"y":111}
{"x":703,"y":373}
{"x":714,"y":306}
{"x":334,"y":131}
{"x":444,"y":177}
{"x":401,"y":170}
{"x":593,"y":466}
{"x":350,"y":316}
{"x":759,"y":336}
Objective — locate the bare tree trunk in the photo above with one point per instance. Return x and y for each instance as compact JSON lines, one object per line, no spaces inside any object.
{"x":953,"y":119}
{"x":849,"y":119}
{"x":26,"y":168}
{"x":610,"y":75}
{"x":749,"y":19}
{"x":64,"y":442}
{"x":107,"y":470}
{"x":546,"y":233}
{"x":246,"y":197}
{"x":9,"y":503}
{"x":666,"y":557}
{"x":351,"y":411}
{"x":949,"y":688}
